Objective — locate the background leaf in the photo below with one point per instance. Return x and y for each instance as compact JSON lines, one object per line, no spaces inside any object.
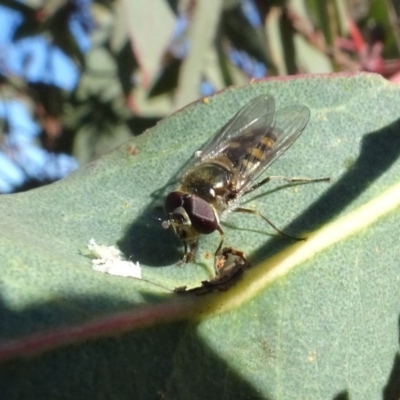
{"x":327,"y":329}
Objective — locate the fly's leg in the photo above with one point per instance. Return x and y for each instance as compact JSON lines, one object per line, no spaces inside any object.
{"x":286,"y":179}
{"x":189,"y":254}
{"x":216,"y":266}
{"x":255,"y":212}
{"x":283,"y":178}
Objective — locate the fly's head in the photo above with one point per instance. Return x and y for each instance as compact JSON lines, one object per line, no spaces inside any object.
{"x":190,"y":216}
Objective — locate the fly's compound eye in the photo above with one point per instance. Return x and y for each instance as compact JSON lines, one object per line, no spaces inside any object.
{"x":185,"y":209}
{"x":173,"y":201}
{"x":201,"y":214}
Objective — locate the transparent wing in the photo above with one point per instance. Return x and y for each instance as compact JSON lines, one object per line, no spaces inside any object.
{"x":252,"y":140}
{"x":262,"y":148}
{"x":257,"y":114}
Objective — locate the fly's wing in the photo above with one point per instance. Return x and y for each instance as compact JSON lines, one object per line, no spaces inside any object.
{"x":258,"y":149}
{"x":257,"y":114}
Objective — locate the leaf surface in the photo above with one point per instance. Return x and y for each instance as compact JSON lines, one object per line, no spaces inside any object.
{"x":312,"y":319}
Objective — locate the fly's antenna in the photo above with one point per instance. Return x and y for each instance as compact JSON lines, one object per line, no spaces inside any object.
{"x":164,"y":223}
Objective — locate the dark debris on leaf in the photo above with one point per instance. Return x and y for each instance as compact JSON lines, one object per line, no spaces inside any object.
{"x":231,"y":264}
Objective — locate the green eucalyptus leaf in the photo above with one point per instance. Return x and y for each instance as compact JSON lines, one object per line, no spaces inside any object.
{"x":314,"y":319}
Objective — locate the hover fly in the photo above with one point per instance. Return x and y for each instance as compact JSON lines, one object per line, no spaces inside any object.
{"x":226,"y":168}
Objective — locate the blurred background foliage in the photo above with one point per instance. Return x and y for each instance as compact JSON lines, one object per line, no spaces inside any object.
{"x":80,"y":77}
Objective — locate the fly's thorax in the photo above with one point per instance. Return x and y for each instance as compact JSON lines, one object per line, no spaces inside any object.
{"x":210,"y":182}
